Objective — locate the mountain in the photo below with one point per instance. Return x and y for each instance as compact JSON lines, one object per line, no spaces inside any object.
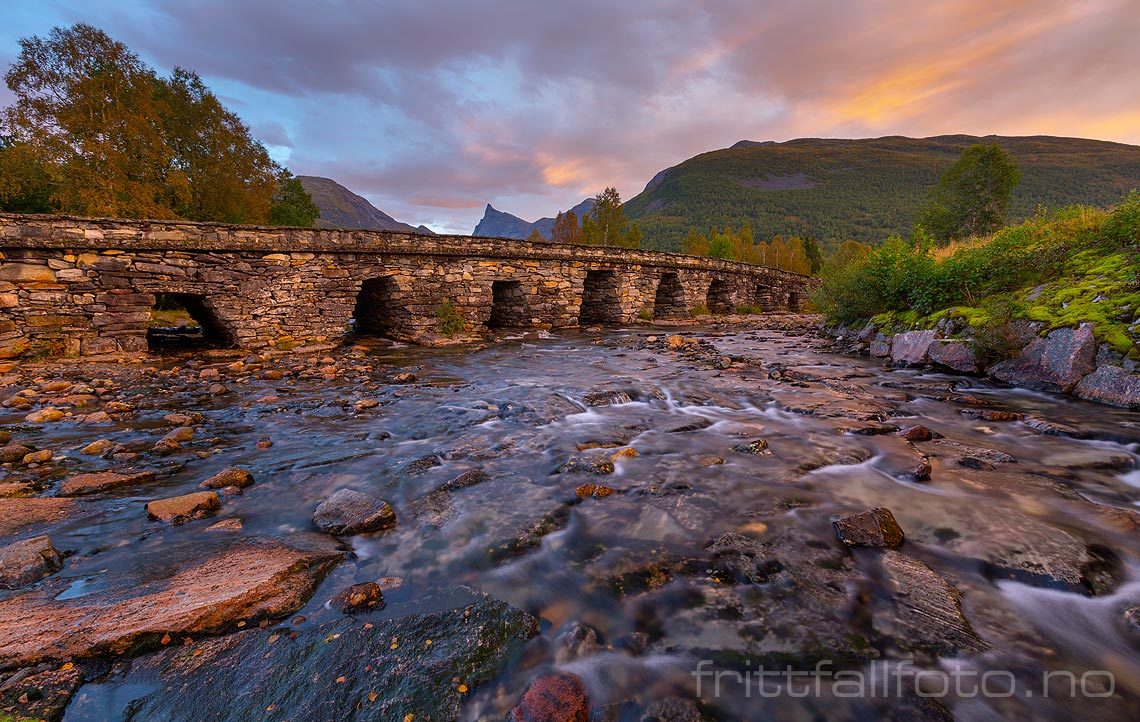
{"x":863,"y":189}
{"x":497,"y":224}
{"x":341,"y":208}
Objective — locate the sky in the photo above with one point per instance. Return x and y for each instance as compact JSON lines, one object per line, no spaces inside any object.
{"x":433,"y":108}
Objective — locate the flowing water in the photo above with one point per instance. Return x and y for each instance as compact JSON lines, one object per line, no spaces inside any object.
{"x":635,"y":567}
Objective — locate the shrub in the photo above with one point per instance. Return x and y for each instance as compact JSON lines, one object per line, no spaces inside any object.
{"x":699,"y":310}
{"x":749,"y":309}
{"x":1122,"y":226}
{"x":995,"y":334}
{"x":645,"y":314}
{"x":451,"y":322}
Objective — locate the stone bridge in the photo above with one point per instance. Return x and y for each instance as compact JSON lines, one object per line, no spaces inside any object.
{"x":87,"y":286}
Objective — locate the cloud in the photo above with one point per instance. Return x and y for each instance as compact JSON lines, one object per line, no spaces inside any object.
{"x":432,"y":108}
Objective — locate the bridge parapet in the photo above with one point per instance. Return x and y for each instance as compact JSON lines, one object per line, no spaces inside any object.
{"x":87,"y":286}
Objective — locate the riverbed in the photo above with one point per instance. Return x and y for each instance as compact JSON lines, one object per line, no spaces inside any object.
{"x":652,"y":497}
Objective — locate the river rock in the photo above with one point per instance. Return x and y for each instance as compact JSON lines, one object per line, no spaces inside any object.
{"x":349,"y":512}
{"x":413,"y":667}
{"x":42,"y":693}
{"x":179,"y":509}
{"x":553,"y":698}
{"x":28,"y":514}
{"x":1111,"y":385}
{"x":82,"y":484}
{"x":28,"y":561}
{"x":954,"y":355}
{"x":880,"y":346}
{"x":222,"y":582}
{"x":233,"y":476}
{"x":38,"y":457}
{"x":45,"y":416}
{"x":5,"y":437}
{"x":592,"y":465}
{"x":872,"y":528}
{"x":1054,"y":363}
{"x":97,"y":447}
{"x":927,"y":611}
{"x":756,"y":447}
{"x":13,"y":452}
{"x":1091,"y":457}
{"x":912,"y":348}
{"x":358,"y":598}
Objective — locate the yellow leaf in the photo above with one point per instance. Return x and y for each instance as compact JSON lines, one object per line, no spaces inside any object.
{"x":372,"y":696}
{"x":66,"y":666}
{"x":462,"y":689}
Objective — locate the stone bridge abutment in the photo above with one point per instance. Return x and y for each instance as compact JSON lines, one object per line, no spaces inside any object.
{"x":88,"y":286}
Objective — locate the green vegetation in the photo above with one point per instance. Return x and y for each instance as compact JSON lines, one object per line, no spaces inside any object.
{"x":789,"y":254}
{"x":749,"y":309}
{"x":607,"y":224}
{"x":1073,"y":265}
{"x":972,"y":198}
{"x":863,"y":190}
{"x":645,"y":314}
{"x":451,"y":322}
{"x":94,"y":131}
{"x":699,"y":310}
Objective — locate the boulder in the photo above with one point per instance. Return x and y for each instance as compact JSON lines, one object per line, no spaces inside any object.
{"x":553,"y":698}
{"x":872,"y":528}
{"x":417,"y":666}
{"x":912,"y":348}
{"x":954,"y":355}
{"x":28,"y":561}
{"x":178,"y":509}
{"x":82,"y":484}
{"x":349,"y":512}
{"x":1054,"y":363}
{"x":358,"y":598}
{"x":233,"y":476}
{"x":13,"y":452}
{"x":880,"y":346}
{"x":222,"y":583}
{"x":1111,"y":385}
{"x":927,"y":610}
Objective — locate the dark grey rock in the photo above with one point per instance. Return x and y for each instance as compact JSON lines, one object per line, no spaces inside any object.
{"x":1111,"y":385}
{"x":349,"y":512}
{"x":1054,"y":363}
{"x":912,"y":348}
{"x":872,"y":528}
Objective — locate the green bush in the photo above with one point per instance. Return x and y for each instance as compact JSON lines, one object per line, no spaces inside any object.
{"x":699,"y":310}
{"x":451,"y":322}
{"x":1122,"y":227}
{"x":645,"y":314}
{"x":749,"y":309}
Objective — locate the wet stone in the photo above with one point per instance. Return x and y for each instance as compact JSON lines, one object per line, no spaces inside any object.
{"x":553,"y":698}
{"x":349,"y":512}
{"x":592,"y":465}
{"x":28,"y":561}
{"x":756,"y":447}
{"x":233,"y":476}
{"x":184,"y":508}
{"x":358,"y":598}
{"x":82,"y":484}
{"x":873,"y":528}
{"x":427,"y":662}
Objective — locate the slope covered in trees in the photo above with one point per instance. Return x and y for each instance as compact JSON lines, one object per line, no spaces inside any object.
{"x":865,"y":190}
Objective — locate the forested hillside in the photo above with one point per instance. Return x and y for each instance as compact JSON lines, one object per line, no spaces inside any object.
{"x":864,"y":190}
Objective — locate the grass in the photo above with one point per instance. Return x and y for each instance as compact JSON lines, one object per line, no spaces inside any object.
{"x":170,"y":318}
{"x":699,"y":310}
{"x":749,"y":309}
{"x":1075,"y":265}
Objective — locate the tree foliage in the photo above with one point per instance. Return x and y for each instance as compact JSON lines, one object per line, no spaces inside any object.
{"x":607,"y":224}
{"x":95,"y":131}
{"x":973,"y":196}
{"x":292,"y":205}
{"x":567,"y":229}
{"x":789,"y":254}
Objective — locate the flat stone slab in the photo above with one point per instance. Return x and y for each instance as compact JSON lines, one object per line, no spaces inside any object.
{"x":419,"y":666}
{"x":178,"y":509}
{"x":23,"y":514}
{"x":82,"y":484}
{"x":247,"y":580}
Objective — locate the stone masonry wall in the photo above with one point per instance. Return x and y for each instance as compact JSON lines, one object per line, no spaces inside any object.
{"x":86,"y":286}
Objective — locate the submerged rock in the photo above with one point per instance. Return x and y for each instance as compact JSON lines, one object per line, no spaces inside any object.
{"x":413,"y":667}
{"x":28,"y":561}
{"x":349,"y":512}
{"x":233,"y":476}
{"x":553,"y":698}
{"x":225,"y":582}
{"x":358,"y":598}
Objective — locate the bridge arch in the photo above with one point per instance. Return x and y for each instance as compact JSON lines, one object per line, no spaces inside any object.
{"x":721,"y":297}
{"x":166,"y":327}
{"x":509,"y":307}
{"x":669,"y":298}
{"x":379,"y":309}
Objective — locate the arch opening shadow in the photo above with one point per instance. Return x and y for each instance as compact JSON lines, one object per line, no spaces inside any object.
{"x":669,"y":301}
{"x":379,"y":308}
{"x":600,"y":301}
{"x":508,"y":305}
{"x":720,"y":297}
{"x":185,"y":321}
